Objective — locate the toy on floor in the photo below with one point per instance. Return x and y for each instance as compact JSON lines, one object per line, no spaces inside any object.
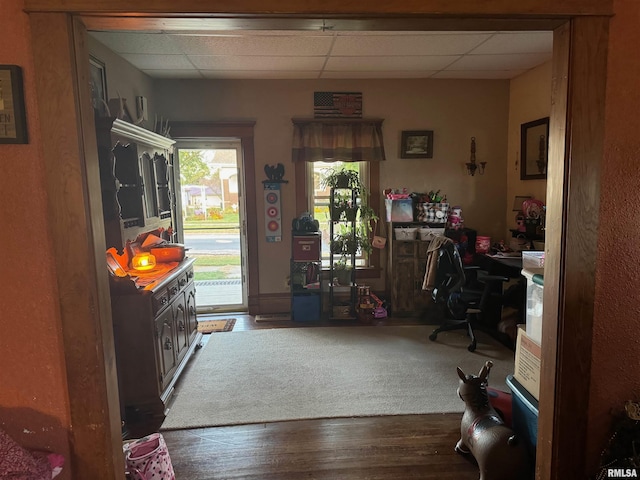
{"x":498,"y":451}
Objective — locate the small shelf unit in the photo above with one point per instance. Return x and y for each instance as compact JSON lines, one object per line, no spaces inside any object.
{"x":305,"y":277}
{"x":342,"y":261}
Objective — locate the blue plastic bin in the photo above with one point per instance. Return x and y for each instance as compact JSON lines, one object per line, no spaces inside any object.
{"x":306,"y":308}
{"x":524,"y":410}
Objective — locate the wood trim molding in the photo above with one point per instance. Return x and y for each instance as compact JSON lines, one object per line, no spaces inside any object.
{"x":335,"y":8}
{"x":244,"y":131}
{"x":576,"y":151}
{"x":88,"y":347}
{"x":271,"y":303}
{"x":67,"y":135}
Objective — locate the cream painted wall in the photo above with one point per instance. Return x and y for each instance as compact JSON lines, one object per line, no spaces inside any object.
{"x":126,"y":80}
{"x":529,"y":99}
{"x":454,"y":109}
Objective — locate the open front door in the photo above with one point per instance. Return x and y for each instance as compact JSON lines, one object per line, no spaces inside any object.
{"x":211,"y":208}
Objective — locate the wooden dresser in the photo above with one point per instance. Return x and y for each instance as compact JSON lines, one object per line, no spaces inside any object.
{"x":155,"y":333}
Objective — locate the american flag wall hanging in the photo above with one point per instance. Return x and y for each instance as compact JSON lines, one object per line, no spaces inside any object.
{"x":337,"y":104}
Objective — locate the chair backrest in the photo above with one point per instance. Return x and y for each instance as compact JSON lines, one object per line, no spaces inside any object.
{"x":450,"y":275}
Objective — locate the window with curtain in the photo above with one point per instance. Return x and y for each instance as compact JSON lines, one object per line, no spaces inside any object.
{"x":319,"y":144}
{"x":337,"y":140}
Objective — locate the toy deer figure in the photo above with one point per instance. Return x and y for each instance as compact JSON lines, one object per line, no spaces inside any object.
{"x":496,"y":448}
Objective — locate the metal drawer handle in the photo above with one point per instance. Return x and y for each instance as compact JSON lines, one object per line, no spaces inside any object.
{"x":167,"y":344}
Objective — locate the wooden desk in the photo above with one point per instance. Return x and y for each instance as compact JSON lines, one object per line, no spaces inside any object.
{"x":505,"y":266}
{"x":513,"y":295}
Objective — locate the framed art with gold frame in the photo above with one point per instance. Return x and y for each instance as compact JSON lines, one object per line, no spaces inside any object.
{"x":13,"y":119}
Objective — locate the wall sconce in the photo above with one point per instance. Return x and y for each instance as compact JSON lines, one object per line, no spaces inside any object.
{"x":472,"y":166}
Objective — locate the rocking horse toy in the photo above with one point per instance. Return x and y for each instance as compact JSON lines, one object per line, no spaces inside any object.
{"x":500,"y":454}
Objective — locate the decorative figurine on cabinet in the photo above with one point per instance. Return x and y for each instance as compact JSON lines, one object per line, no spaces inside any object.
{"x":500,"y":454}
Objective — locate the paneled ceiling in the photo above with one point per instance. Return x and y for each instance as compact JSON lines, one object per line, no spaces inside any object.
{"x":291,"y":54}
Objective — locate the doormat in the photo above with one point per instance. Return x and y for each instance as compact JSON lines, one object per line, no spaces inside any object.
{"x":210,"y":326}
{"x":273,"y":317}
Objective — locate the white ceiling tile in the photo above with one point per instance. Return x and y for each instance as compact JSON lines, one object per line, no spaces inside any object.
{"x":122,"y":42}
{"x":517,"y":42}
{"x":254,"y":45}
{"x":240,"y":63}
{"x":389,"y":63}
{"x":500,"y":62}
{"x":259,"y":74}
{"x":158,"y":62}
{"x":479,"y":74}
{"x":173,"y":73}
{"x":379,"y":74}
{"x":329,"y":54}
{"x":432,"y":44}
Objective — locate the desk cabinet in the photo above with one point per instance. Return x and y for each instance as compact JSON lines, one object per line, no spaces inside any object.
{"x":405,"y":274}
{"x":155,"y":333}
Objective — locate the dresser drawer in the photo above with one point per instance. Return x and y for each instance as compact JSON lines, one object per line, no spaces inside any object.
{"x":160,"y":300}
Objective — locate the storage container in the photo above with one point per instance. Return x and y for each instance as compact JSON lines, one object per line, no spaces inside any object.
{"x":406,"y":233}
{"x":524,"y":412}
{"x":436,"y":212}
{"x":535,"y":291}
{"x":305,"y":247}
{"x":427,"y":234}
{"x":305,"y":308}
{"x":483,"y":244}
{"x":399,"y":210}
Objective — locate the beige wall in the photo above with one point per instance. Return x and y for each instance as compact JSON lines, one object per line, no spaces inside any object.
{"x":34,"y":404}
{"x":455,"y":110}
{"x":125,"y":80}
{"x":529,"y":100}
{"x":616,"y":338}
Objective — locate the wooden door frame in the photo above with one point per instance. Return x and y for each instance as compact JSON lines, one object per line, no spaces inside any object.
{"x":577,"y":133}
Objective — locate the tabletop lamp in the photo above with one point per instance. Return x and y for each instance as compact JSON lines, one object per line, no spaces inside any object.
{"x":143,"y":261}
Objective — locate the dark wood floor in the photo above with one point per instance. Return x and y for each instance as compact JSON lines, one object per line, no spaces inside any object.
{"x":372,"y":448}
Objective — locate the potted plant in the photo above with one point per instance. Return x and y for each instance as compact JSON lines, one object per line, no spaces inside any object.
{"x":364,"y":228}
{"x":342,"y":271}
{"x":342,"y":177}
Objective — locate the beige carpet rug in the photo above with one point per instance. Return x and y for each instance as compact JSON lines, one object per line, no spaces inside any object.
{"x":281,"y":374}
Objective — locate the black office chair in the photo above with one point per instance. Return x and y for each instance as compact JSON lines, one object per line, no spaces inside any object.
{"x":467,"y":294}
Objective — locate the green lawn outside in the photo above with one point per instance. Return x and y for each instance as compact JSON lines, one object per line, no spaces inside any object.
{"x":217,"y":275}
{"x":216,"y":260}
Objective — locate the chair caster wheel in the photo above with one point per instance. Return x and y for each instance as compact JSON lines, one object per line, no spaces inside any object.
{"x":472,"y":347}
{"x":433,"y":336}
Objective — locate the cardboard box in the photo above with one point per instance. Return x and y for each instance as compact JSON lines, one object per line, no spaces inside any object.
{"x":533,"y":261}
{"x":527,"y":363}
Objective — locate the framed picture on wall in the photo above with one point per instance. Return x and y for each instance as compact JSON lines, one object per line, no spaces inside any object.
{"x":416,"y":144}
{"x":98,"y":85}
{"x":13,"y":118}
{"x":534,"y":149}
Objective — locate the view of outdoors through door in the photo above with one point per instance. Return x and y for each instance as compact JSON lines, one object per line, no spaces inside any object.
{"x":212,"y":214}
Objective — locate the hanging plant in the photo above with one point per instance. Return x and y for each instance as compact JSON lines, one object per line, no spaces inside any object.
{"x":342,"y":177}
